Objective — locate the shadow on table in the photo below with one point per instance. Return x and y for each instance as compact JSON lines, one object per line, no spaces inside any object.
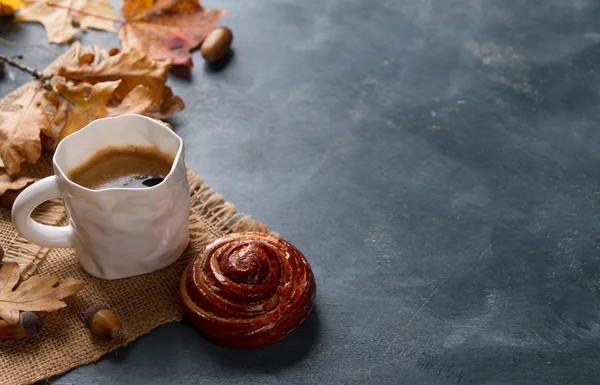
{"x":185,"y":73}
{"x":221,"y":64}
{"x":181,"y":72}
{"x":117,"y":355}
{"x":272,"y":358}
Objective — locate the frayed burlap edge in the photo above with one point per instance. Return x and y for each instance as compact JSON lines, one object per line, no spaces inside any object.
{"x":143,"y":303}
{"x":212,"y":208}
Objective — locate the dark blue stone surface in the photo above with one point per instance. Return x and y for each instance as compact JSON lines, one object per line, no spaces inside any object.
{"x":436,"y":161}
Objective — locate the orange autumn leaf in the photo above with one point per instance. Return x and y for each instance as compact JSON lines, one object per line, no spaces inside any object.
{"x":58,"y":17}
{"x":91,"y":103}
{"x":166,"y":29}
{"x":35,"y":294}
{"x":8,"y":7}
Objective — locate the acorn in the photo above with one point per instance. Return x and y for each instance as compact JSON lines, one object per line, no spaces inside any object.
{"x":29,"y":326}
{"x":216,"y":44}
{"x":102,"y":322}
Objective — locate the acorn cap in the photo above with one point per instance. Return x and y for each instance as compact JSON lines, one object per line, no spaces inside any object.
{"x":29,"y":325}
{"x":32,"y":323}
{"x":90,"y":312}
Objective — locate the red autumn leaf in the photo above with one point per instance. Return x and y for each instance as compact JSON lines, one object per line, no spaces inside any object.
{"x":167,"y":29}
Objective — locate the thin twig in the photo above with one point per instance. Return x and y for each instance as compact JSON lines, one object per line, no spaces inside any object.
{"x":43,"y":79}
{"x":25,"y":45}
{"x":32,"y":71}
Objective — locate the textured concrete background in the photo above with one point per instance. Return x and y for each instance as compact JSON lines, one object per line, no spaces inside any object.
{"x":436,"y":161}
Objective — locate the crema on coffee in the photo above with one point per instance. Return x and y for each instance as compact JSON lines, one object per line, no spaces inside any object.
{"x":122,"y":166}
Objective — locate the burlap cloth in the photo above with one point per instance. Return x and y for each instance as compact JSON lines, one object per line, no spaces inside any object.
{"x":142,"y":303}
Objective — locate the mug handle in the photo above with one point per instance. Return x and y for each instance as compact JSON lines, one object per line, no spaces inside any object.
{"x":26,"y":202}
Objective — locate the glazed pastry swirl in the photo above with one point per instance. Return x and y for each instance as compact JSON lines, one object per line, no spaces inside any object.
{"x":248,"y":289}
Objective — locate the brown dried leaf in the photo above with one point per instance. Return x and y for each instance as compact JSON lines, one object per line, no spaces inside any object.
{"x":167,"y":29}
{"x":133,"y":68}
{"x":11,"y":187}
{"x":13,"y":183}
{"x":35,"y":294}
{"x":58,"y":17}
{"x":8,"y":198}
{"x":92,"y":103}
{"x":20,"y":128}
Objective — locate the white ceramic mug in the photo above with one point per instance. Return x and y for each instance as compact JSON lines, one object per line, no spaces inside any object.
{"x":116,"y":232}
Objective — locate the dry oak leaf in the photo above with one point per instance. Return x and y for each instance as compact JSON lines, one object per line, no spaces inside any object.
{"x":21,"y":126}
{"x":11,"y":187}
{"x":8,"y":182}
{"x":167,"y":29}
{"x":58,"y":17}
{"x":92,"y":103}
{"x":35,"y":294}
{"x":8,"y":7}
{"x":7,"y":199}
{"x":133,"y":68}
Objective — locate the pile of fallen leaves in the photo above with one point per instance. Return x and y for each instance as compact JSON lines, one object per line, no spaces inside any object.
{"x":93,"y":83}
{"x":89,"y":86}
{"x":160,"y":29}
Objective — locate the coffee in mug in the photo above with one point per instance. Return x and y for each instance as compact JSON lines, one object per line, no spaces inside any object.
{"x":123,"y":166}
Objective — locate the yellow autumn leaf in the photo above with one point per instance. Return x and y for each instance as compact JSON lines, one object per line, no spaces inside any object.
{"x":8,"y":7}
{"x":89,"y":102}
